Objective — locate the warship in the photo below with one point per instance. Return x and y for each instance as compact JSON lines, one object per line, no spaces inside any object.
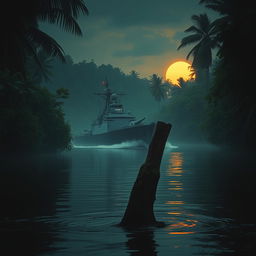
{"x":114,"y":124}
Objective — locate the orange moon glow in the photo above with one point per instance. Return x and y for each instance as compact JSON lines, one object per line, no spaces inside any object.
{"x":177,"y":70}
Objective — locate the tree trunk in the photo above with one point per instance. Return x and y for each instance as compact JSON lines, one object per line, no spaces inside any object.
{"x":139,"y":211}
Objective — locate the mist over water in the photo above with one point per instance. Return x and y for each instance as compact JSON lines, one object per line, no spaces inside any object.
{"x":124,"y":145}
{"x":70,"y":204}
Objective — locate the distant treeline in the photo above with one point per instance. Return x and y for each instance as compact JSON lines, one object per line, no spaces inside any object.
{"x":84,"y":79}
{"x":184,"y":107}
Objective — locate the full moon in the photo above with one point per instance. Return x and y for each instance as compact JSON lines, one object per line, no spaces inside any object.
{"x":178,"y":69}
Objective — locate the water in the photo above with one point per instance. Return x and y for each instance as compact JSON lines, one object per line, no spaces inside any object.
{"x":70,"y":204}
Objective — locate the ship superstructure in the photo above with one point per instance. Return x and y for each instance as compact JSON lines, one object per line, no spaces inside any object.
{"x":114,"y":124}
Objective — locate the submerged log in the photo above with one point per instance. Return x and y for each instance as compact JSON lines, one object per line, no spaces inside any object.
{"x":139,"y":211}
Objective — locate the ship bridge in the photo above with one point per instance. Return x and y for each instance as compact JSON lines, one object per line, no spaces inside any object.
{"x":114,"y":115}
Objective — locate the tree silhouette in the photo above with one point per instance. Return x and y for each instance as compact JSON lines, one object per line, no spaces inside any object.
{"x":204,"y":35}
{"x":21,"y":36}
{"x":232,"y":102}
{"x":134,"y":74}
{"x":156,"y":88}
{"x":181,"y":82}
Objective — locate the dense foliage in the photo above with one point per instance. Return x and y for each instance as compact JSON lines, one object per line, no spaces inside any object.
{"x":20,"y":33}
{"x":232,"y":109}
{"x":204,"y":36}
{"x":31,"y":118}
{"x":186,"y":110}
{"x":230,"y":117}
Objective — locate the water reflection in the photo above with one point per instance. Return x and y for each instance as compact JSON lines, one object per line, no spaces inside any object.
{"x":33,"y":191}
{"x":228,"y":218}
{"x":206,"y":198}
{"x":182,"y":222}
{"x":141,"y":243}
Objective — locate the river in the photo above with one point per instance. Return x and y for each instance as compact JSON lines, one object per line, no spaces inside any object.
{"x":69,"y":204}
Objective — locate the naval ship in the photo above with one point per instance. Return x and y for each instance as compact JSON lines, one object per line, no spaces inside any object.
{"x":114,"y":124}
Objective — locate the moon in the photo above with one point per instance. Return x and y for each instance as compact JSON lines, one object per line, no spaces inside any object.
{"x":178,"y":69}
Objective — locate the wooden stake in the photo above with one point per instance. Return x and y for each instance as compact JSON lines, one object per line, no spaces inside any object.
{"x":139,"y":211}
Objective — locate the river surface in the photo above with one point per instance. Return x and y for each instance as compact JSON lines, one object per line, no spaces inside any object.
{"x":69,"y":204}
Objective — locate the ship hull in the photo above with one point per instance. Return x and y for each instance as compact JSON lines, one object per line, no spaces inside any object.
{"x":139,"y":132}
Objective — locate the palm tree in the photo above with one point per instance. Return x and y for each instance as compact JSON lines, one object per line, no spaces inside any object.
{"x":221,"y":6}
{"x":204,"y":34}
{"x":236,"y":18}
{"x":181,"y":82}
{"x":233,"y":84}
{"x":21,"y":36}
{"x":134,"y":74}
{"x":156,"y":88}
{"x":233,"y":30}
{"x":39,"y":68}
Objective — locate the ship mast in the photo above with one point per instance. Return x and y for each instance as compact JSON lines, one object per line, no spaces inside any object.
{"x":107,"y":96}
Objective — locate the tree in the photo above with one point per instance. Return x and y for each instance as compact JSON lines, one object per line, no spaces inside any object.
{"x":134,"y":74}
{"x":235,"y":23}
{"x":31,"y":117}
{"x":181,"y":82}
{"x":232,"y":101}
{"x":156,"y":88}
{"x":21,"y":36}
{"x":204,"y":35}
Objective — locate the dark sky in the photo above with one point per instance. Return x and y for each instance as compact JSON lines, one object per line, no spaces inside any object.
{"x":140,"y":35}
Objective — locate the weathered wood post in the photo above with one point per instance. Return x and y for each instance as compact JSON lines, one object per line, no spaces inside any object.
{"x":139,"y":211}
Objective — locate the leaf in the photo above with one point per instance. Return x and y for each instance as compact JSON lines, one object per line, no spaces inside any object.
{"x":189,"y":40}
{"x":41,"y":39}
{"x":63,"y":19}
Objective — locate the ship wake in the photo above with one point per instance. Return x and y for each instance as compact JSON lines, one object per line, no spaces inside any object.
{"x":124,"y":145}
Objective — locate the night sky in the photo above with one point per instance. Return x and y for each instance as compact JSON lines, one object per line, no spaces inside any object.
{"x":140,"y":35}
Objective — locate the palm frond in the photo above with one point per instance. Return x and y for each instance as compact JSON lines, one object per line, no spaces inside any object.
{"x":64,"y":20}
{"x":215,"y":2}
{"x":44,"y":41}
{"x":222,"y":21}
{"x":221,"y":6}
{"x":189,"y":40}
{"x":39,"y":65}
{"x":72,"y":7}
{"x":197,"y":20}
{"x":193,"y":29}
{"x":214,"y":43}
{"x":215,"y":8}
{"x":77,"y":7}
{"x":33,"y":56}
{"x":193,"y":51}
{"x":202,"y":22}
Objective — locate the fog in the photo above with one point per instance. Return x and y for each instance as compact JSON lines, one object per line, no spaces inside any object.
{"x":84,"y":79}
